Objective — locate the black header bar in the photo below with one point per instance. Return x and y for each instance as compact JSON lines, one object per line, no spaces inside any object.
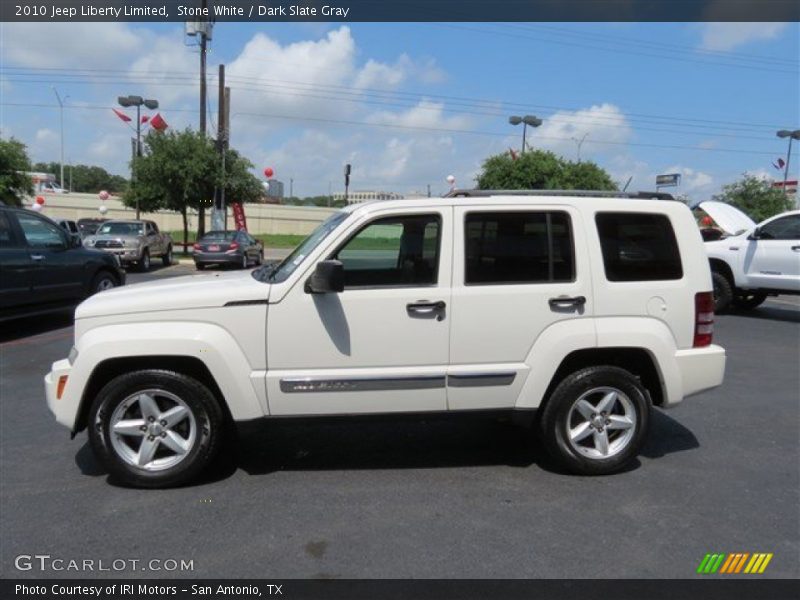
{"x":401,"y":11}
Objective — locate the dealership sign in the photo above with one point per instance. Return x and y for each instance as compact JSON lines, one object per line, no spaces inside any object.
{"x":669,"y":179}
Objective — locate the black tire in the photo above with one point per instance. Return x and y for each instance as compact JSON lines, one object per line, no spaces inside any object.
{"x":166,"y":259}
{"x":749,"y":301}
{"x":554,"y":422}
{"x":144,"y":262}
{"x":200,"y":266}
{"x":101,"y":282}
{"x":260,"y":258}
{"x":244,"y":260}
{"x":723,"y":292}
{"x":208,"y":424}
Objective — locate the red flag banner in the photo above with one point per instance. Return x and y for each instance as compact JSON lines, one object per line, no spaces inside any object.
{"x":158,"y":123}
{"x":238,"y":216}
{"x":121,"y":115}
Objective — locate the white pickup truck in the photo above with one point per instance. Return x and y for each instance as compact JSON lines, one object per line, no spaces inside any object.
{"x":753,"y":261}
{"x":577,"y":310}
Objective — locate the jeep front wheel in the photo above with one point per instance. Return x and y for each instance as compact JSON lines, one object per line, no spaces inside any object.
{"x":155,"y":428}
{"x":596,"y":420}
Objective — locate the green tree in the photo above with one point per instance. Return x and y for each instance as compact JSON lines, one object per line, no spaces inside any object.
{"x":180,"y":170}
{"x":15,"y":183}
{"x":177,"y":171}
{"x":541,"y":170}
{"x":756,"y":197}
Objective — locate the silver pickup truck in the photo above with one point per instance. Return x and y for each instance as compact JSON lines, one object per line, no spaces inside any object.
{"x":133,"y":242}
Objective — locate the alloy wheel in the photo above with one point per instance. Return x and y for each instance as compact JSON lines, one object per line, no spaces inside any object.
{"x":601,"y":423}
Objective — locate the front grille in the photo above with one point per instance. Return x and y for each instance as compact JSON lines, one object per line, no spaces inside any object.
{"x":108,"y":244}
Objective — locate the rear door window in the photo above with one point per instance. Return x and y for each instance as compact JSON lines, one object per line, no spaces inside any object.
{"x":638,"y":247}
{"x":518,"y":247}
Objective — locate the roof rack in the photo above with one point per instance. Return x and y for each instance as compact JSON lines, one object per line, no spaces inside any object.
{"x":580,"y":193}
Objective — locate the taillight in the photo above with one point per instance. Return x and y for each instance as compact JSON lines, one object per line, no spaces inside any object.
{"x":197,"y":247}
{"x":703,"y":319}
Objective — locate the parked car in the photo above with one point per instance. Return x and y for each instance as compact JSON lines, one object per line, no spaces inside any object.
{"x":43,"y":269}
{"x":231,"y":248}
{"x":87,"y":227}
{"x":753,"y":261}
{"x":133,"y":242}
{"x":70,"y":227}
{"x":576,"y":314}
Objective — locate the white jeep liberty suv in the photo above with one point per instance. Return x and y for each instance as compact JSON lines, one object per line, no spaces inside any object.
{"x":581,"y":309}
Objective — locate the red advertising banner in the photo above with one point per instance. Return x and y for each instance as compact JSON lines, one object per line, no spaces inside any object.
{"x":238,"y":216}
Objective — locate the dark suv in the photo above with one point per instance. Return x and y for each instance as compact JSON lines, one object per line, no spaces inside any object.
{"x":42,"y":269}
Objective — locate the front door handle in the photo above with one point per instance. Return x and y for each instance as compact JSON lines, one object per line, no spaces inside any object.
{"x":566,"y":301}
{"x":426,"y":308}
{"x":37,"y":257}
{"x":796,"y":248}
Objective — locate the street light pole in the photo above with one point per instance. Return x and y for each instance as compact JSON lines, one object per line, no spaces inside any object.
{"x":137,"y":101}
{"x":61,"y":110}
{"x":792,"y":135}
{"x":580,"y":143}
{"x":531,"y":120}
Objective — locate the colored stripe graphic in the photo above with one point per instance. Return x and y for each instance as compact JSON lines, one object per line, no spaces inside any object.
{"x":734,"y":563}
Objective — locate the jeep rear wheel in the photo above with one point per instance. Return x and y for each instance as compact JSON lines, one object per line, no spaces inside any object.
{"x":155,"y":428}
{"x":596,"y":420}
{"x":723,"y":292}
{"x":166,"y":259}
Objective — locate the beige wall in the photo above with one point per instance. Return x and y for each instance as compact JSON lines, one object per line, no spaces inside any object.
{"x":261,"y":218}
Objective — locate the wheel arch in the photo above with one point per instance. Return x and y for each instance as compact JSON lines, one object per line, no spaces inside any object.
{"x":720,"y":266}
{"x":637,"y":361}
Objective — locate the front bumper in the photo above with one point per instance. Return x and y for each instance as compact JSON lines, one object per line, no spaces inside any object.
{"x":124,"y":255}
{"x":65,"y":409}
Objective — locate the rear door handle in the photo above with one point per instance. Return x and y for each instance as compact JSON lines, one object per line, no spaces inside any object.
{"x":796,"y":248}
{"x":426,"y":308}
{"x":37,"y":257}
{"x":566,"y":301}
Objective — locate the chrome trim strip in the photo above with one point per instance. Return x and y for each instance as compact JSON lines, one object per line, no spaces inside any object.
{"x":481,"y":379}
{"x":360,"y":384}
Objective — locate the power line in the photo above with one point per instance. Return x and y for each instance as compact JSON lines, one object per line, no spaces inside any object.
{"x":369,"y":92}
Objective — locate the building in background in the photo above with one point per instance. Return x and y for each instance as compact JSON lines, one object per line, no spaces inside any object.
{"x":275,"y":189}
{"x":357,"y":197}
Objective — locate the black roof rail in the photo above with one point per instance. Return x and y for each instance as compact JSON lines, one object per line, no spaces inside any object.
{"x":573,"y":193}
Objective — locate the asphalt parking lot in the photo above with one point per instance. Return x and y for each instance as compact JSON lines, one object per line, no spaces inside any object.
{"x":422,"y":499}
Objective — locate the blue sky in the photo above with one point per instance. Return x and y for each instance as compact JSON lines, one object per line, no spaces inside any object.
{"x":409,"y":104}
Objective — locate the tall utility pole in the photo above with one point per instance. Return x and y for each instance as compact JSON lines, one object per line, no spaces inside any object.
{"x":61,"y":109}
{"x":203,"y":43}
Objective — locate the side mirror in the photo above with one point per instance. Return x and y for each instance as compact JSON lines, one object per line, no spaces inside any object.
{"x":755,"y":234}
{"x":328,"y":277}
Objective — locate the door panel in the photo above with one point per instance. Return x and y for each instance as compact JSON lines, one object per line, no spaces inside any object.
{"x":365,"y":350}
{"x":503,"y":284}
{"x":16,"y":267}
{"x":57,"y":276}
{"x":773,"y":260}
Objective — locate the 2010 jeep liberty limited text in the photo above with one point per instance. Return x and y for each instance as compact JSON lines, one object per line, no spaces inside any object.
{"x":581,"y":309}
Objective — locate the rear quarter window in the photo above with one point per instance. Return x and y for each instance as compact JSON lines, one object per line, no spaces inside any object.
{"x":638,"y":247}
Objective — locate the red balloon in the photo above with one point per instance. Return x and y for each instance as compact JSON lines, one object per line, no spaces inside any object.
{"x":268,"y":172}
{"x":39,"y":200}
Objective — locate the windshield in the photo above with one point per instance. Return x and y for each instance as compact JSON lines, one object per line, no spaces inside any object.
{"x":218,"y":236}
{"x":121,"y":229}
{"x":306,"y":247}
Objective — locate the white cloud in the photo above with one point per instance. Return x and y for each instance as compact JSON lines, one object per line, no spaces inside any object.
{"x":729,"y":36}
{"x":561,"y":131}
{"x":46,"y":135}
{"x":425,"y":114}
{"x":75,"y":45}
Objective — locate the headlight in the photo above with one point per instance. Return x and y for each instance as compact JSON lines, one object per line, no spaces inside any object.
{"x":89,"y":242}
{"x":133,"y":243}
